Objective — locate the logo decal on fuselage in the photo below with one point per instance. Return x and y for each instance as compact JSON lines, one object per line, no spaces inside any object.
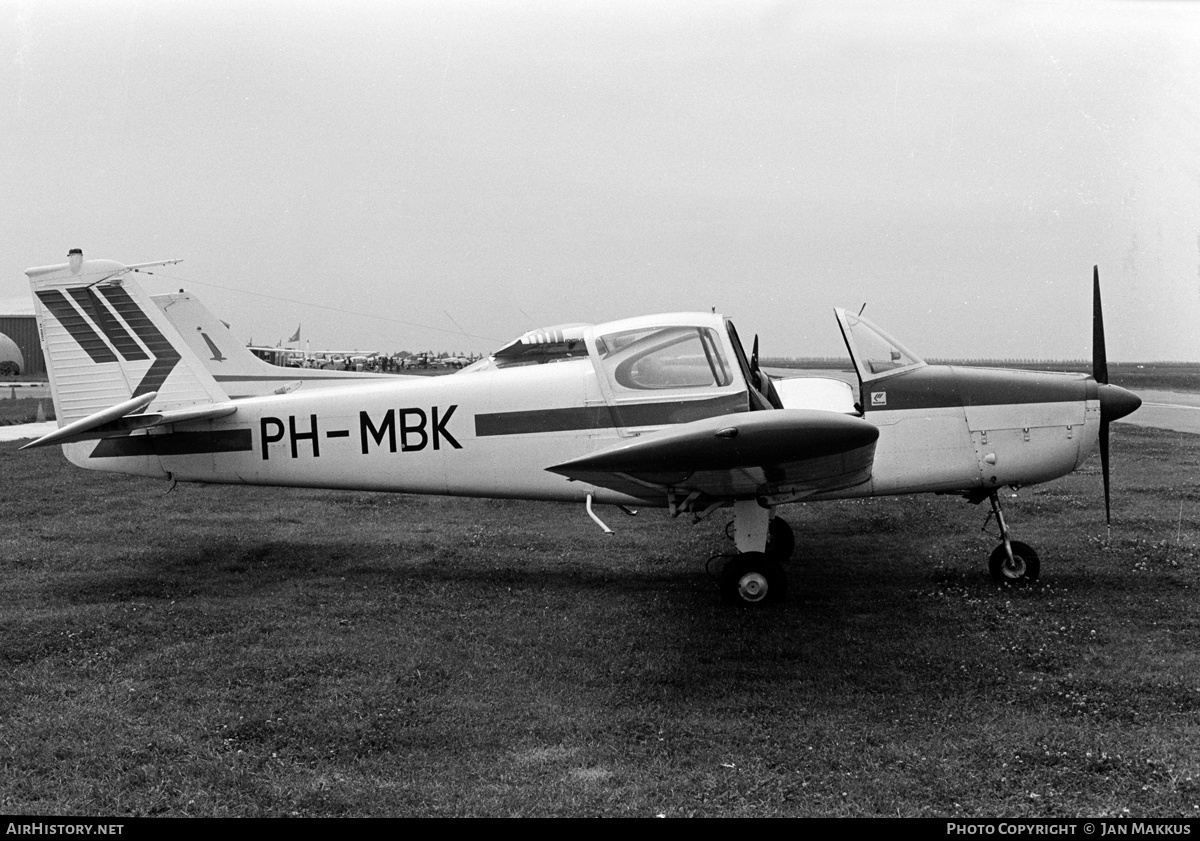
{"x":878,"y":398}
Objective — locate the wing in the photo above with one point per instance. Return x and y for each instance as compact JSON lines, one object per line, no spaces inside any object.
{"x":783,"y":453}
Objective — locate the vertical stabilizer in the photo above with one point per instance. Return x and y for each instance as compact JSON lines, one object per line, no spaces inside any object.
{"x":238,"y":371}
{"x":105,"y":342}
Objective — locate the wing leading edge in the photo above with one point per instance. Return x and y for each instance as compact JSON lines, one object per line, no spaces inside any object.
{"x":784,"y":453}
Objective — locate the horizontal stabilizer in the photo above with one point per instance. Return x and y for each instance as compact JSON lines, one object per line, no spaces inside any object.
{"x":125,"y":418}
{"x":91,"y":422}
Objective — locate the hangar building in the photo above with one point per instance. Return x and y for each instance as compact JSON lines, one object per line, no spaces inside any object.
{"x":18,"y":322}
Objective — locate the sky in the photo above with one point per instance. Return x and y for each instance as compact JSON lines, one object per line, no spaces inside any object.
{"x":448,"y":175}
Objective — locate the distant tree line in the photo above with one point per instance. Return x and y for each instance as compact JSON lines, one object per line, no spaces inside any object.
{"x":1047,"y":364}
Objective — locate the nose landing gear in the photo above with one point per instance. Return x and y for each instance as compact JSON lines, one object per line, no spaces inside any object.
{"x":1012,"y":561}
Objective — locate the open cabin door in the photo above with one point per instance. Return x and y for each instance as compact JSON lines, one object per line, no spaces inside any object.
{"x":875,"y":355}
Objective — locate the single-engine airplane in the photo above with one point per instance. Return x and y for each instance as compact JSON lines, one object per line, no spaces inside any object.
{"x":660,"y":410}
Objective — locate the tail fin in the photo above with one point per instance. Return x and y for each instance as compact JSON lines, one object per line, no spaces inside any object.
{"x":106,"y":343}
{"x":238,"y":371}
{"x":231,"y":364}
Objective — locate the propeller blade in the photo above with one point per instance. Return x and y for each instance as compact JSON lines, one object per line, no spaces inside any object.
{"x":1115,"y":402}
{"x":1099,"y":353}
{"x":1100,"y":375}
{"x":1104,"y":470}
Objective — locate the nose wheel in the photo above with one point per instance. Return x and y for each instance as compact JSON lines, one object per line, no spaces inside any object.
{"x":1012,"y":562}
{"x":1023,"y":565}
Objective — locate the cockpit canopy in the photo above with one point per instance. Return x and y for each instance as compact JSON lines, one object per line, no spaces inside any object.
{"x":675,"y":356}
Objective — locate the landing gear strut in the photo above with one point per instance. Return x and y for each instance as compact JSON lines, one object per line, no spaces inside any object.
{"x":1012,"y":561}
{"x":755,"y":575}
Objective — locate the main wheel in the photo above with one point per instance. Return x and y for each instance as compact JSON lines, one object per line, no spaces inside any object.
{"x":753,"y":578}
{"x":781,"y":543}
{"x":1025,"y":565}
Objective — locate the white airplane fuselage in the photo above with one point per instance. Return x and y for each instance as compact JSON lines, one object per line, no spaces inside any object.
{"x":494,"y":433}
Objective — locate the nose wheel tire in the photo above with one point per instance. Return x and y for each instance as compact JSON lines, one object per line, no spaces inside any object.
{"x":752,"y":579}
{"x":1024,"y":565}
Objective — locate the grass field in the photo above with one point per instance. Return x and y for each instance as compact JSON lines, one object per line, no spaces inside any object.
{"x":24,"y":411}
{"x":243,"y":651}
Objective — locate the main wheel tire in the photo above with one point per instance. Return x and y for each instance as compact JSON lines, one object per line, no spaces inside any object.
{"x":753,"y":579}
{"x":781,"y":542}
{"x":1025,"y":565}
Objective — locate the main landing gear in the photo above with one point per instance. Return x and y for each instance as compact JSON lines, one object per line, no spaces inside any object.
{"x":755,"y":575}
{"x":1012,"y":561}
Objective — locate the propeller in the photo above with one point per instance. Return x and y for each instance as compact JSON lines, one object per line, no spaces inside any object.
{"x":1115,"y":402}
{"x":1099,"y":353}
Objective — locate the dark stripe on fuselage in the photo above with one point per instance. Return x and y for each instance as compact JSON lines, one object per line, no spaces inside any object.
{"x":77,"y":326}
{"x":607,"y":417}
{"x":943,"y":386}
{"x":543,"y":420}
{"x":176,"y":444}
